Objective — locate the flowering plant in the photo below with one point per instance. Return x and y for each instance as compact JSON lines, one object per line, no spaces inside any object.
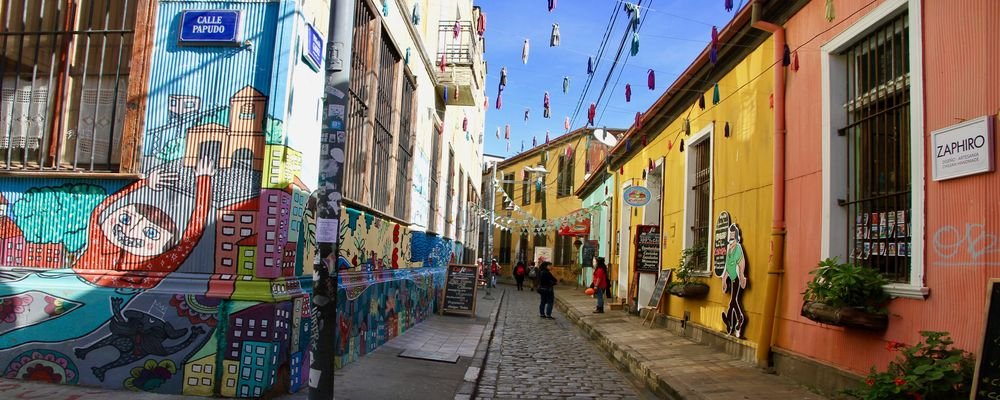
{"x":929,"y":370}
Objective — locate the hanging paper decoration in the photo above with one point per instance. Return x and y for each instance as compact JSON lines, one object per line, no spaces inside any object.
{"x":786,"y":57}
{"x":554,"y":39}
{"x":446,"y":94}
{"x":486,"y":101}
{"x":508,"y":145}
{"x":522,"y":146}
{"x":415,"y":15}
{"x":546,"y":136}
{"x":569,"y":150}
{"x":726,"y":130}
{"x":651,"y":166}
{"x":795,"y":60}
{"x":406,"y":61}
{"x":682,"y":145}
{"x":635,"y":43}
{"x":385,"y":8}
{"x":590,"y":65}
{"x":552,"y":5}
{"x":830,"y":14}
{"x":566,"y":124}
{"x":456,"y":29}
{"x":481,"y":24}
{"x":503,"y":78}
{"x":546,"y":111}
{"x":628,"y":145}
{"x":621,"y":170}
{"x":633,"y":10}
{"x":713,"y":54}
{"x":729,"y":5}
{"x":701,"y":102}
{"x":498,"y":132}
{"x":638,"y":119}
{"x":465,"y":124}
{"x":506,"y":132}
{"x":715,"y":94}
{"x":591,"y":112}
{"x":524,"y":51}
{"x":770,"y":101}
{"x":651,"y":80}
{"x":565,"y":84}
{"x":534,"y":141}
{"x":527,"y":111}
{"x":715,"y":37}
{"x":687,"y":127}
{"x":643,"y":140}
{"x":499,"y":102}
{"x":628,"y":93}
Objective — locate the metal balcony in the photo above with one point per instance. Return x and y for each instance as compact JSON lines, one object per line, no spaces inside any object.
{"x":465,"y":70}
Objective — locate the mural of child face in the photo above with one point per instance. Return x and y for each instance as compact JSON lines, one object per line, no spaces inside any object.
{"x":140,"y":229}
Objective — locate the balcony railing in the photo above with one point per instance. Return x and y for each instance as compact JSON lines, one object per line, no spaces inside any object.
{"x":460,"y":45}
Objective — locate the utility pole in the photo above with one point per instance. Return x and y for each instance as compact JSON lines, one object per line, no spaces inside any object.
{"x":488,"y":257}
{"x":333,"y":139}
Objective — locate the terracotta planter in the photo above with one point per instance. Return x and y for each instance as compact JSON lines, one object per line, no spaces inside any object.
{"x":689,"y":290}
{"x":845,"y":316}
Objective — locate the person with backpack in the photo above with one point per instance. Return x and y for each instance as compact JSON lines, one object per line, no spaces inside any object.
{"x":533,"y":275}
{"x":519,"y":273}
{"x":494,"y":271}
{"x":546,"y":288}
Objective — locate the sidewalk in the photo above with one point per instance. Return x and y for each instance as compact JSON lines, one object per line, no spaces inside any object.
{"x":672,"y":366}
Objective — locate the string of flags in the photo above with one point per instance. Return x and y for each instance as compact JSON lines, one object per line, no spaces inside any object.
{"x":525,"y":222}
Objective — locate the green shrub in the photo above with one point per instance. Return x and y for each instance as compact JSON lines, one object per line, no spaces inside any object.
{"x":930,"y":370}
{"x":847,"y":285}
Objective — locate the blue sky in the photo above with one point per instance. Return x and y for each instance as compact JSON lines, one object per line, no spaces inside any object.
{"x":672,"y":34}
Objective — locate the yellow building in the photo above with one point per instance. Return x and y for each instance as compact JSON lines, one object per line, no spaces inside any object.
{"x":704,"y":153}
{"x":535,"y":196}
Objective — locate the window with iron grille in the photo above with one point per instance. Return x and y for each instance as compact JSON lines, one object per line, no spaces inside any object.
{"x":525,"y":189}
{"x":356,"y":154}
{"x":460,"y":201}
{"x":564,"y":180}
{"x":506,"y":238}
{"x":700,"y":177}
{"x":64,"y":75}
{"x":878,"y":150}
{"x":508,"y":188}
{"x":404,"y":152}
{"x":449,"y":194}
{"x":563,"y":251}
{"x":541,"y":239}
{"x":435,"y":170}
{"x":383,"y":140}
{"x":539,"y":185}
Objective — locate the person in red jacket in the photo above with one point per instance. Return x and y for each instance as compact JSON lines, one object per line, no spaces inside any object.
{"x":520,"y":271}
{"x":600,"y":282}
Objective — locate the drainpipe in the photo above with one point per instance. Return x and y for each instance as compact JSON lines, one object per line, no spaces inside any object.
{"x":775,"y":267}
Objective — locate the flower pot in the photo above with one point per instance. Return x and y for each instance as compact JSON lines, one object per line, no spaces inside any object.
{"x":689,"y":290}
{"x":848,"y":317}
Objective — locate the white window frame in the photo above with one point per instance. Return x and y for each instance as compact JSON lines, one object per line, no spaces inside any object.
{"x":834,"y":71}
{"x":706,"y":133}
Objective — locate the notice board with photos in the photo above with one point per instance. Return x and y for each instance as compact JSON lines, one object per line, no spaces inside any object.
{"x":460,"y":290}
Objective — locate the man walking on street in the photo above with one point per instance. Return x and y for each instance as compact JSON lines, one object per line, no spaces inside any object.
{"x":519,"y":272}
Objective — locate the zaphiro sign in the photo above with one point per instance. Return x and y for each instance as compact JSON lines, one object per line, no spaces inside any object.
{"x":210,"y":27}
{"x":963,"y":149}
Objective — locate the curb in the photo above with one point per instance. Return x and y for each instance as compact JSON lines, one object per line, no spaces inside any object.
{"x":660,"y":386}
{"x":474,"y":373}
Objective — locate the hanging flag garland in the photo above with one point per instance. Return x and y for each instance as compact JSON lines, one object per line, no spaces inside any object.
{"x":534,"y":141}
{"x":565,"y":84}
{"x":628,"y":93}
{"x":638,"y":119}
{"x":713,"y":54}
{"x":524,"y":51}
{"x":591,"y":112}
{"x":786,"y":57}
{"x":465,"y":124}
{"x":715,"y":94}
{"x":687,"y":127}
{"x":446,"y":94}
{"x":554,"y":40}
{"x":498,"y":132}
{"x":651,"y":80}
{"x":503,"y":78}
{"x":406,"y":61}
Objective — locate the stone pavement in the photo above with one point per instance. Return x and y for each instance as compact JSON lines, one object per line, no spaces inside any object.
{"x":534,"y":358}
{"x":673,"y":366}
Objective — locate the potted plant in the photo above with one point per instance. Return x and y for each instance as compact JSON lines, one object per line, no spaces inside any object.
{"x":685,"y":285}
{"x":847,"y":294}
{"x":931,"y":369}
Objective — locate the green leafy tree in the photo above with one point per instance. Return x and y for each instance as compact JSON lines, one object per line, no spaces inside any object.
{"x":58,"y":214}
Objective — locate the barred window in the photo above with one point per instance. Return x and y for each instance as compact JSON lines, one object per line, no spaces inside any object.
{"x":541,"y":239}
{"x":525,"y":187}
{"x":563,"y":252}
{"x":64,"y":75}
{"x":508,"y":188}
{"x":878,"y":150}
{"x":506,"y":238}
{"x":700,"y":176}
{"x":356,"y":154}
{"x":382,"y":146}
{"x":450,"y":194}
{"x":565,"y":176}
{"x":435,"y":170}
{"x":404,"y":152}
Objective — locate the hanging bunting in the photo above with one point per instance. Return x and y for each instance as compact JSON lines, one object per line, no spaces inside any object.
{"x":569,"y":150}
{"x":546,"y":111}
{"x":726,"y":130}
{"x":713,"y":55}
{"x":651,"y":80}
{"x":506,"y":132}
{"x":770,"y":101}
{"x":565,"y":84}
{"x":643,"y":174}
{"x":499,"y":102}
{"x":633,"y":10}
{"x":456,"y":29}
{"x":566,"y":124}
{"x":701,"y":102}
{"x":628,"y":145}
{"x":446,"y":94}
{"x":508,"y":146}
{"x":682,"y":145}
{"x":385,"y":8}
{"x":628,"y":93}
{"x":715,"y":94}
{"x":621,"y":170}
{"x":795,"y":60}
{"x":527,"y":111}
{"x":522,"y":146}
{"x":498,"y":132}
{"x":729,"y":5}
{"x":554,"y":39}
{"x":441,"y":63}
{"x":524,"y":51}
{"x":534,"y":141}
{"x":643,"y":140}
{"x":486,"y":101}
{"x":670,"y":144}
{"x":687,"y":127}
{"x":546,"y":136}
{"x":715,"y":36}
{"x":503,"y":78}
{"x":415,"y":14}
{"x":590,"y":65}
{"x":635,"y":43}
{"x":638,"y":119}
{"x":552,"y":5}
{"x":830,"y":14}
{"x":481,"y":24}
{"x":786,"y":57}
{"x":591,"y":112}
{"x":465,"y":124}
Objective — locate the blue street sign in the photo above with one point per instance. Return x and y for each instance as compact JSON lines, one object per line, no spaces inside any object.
{"x":205,"y":27}
{"x":313,"y":53}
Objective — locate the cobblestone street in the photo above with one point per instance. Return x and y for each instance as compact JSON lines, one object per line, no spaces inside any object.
{"x":537,"y":358}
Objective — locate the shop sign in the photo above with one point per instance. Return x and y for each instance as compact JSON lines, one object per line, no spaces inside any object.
{"x":963,"y":149}
{"x":208,"y":27}
{"x":313,"y":52}
{"x":636,"y":196}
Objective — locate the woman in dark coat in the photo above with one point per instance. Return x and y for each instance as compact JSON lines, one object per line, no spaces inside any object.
{"x":546,"y":288}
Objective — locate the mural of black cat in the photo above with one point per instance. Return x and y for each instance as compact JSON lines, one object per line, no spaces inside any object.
{"x":136,"y":335}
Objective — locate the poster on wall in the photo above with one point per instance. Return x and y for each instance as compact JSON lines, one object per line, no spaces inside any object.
{"x":542,"y":254}
{"x":647,"y":248}
{"x":721,"y":243}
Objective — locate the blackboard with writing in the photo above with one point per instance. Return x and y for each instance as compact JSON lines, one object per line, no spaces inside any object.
{"x":460,"y":290}
{"x":986,"y":384}
{"x":647,"y":254}
{"x":589,"y":252}
{"x":661,"y":284}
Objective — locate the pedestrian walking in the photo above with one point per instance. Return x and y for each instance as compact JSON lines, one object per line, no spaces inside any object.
{"x":494,"y":271}
{"x":480,"y":272}
{"x":520,"y":271}
{"x":533,"y":276}
{"x":600,"y":282}
{"x":546,"y":288}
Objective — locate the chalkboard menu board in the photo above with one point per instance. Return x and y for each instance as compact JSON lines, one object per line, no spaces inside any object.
{"x":589,"y":252}
{"x":661,"y":283}
{"x":460,"y":290}
{"x":647,"y":243}
{"x":986,"y":384}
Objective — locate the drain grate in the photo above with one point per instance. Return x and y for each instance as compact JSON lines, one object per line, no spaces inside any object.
{"x":430,"y":355}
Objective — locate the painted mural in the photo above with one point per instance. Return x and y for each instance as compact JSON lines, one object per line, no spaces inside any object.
{"x":186,"y":281}
{"x":731,"y":265}
{"x":370,"y":243}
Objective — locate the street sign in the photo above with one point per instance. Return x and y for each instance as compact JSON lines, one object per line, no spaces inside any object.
{"x":313,"y":51}
{"x":210,"y":27}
